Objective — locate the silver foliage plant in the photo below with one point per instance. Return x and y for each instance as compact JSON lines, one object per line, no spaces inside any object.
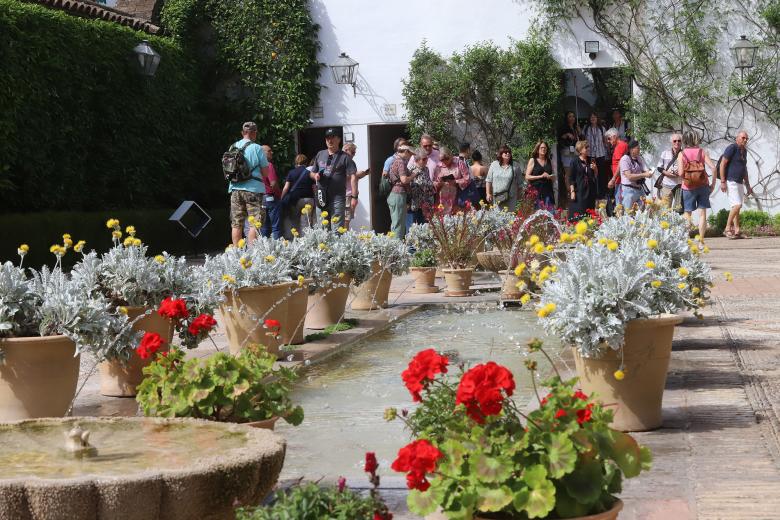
{"x":257,"y":265}
{"x":389,"y":252}
{"x":420,"y":237}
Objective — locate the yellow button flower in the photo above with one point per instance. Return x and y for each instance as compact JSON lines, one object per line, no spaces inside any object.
{"x":683,"y":271}
{"x":322,"y":246}
{"x":228,"y":278}
{"x":619,"y":374}
{"x":324,"y":214}
{"x":342,"y":275}
{"x":116,"y":235}
{"x":130,"y":230}
{"x":664,"y":224}
{"x":342,"y":230}
{"x":612,"y":246}
{"x":270,"y":258}
{"x":66,"y":236}
{"x":128,"y":242}
{"x":137,"y":242}
{"x":550,"y":247}
{"x":79,"y":246}
{"x":524,"y":299}
{"x":682,"y":286}
{"x":54,"y":248}
{"x":301,"y":279}
{"x":520,"y":268}
{"x":695,"y":290}
{"x":581,"y":227}
{"x":160,"y":259}
{"x":650,"y":264}
{"x":652,"y":243}
{"x":706,"y":249}
{"x":533,"y":240}
{"x":564,"y":238}
{"x":112,"y":223}
{"x":23,"y":249}
{"x":546,"y":310}
{"x":294,"y":232}
{"x":122,"y":310}
{"x":603,"y":241}
{"x":241,"y":243}
{"x":391,"y":234}
{"x":335,"y":219}
{"x":728,"y":276}
{"x":539,"y":248}
{"x":656,"y":283}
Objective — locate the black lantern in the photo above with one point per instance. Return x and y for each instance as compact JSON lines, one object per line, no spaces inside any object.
{"x":148,"y":59}
{"x":744,"y":53}
{"x":344,"y":71}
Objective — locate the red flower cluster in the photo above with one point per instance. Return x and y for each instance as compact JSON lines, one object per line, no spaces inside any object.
{"x":422,"y":369}
{"x":417,"y":459}
{"x":173,"y":309}
{"x":203,"y":323}
{"x":580,"y":395}
{"x":480,"y":390}
{"x":150,"y":343}
{"x":584,"y":415}
{"x":273,"y":325}
{"x":371,"y":463}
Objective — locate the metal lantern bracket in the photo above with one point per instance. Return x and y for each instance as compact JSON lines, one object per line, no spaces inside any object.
{"x":191,"y":217}
{"x":344,"y":71}
{"x":744,"y":52}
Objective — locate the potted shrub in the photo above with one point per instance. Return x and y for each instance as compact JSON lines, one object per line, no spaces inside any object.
{"x":475,"y":454}
{"x":390,"y":257}
{"x":457,"y":237}
{"x":615,"y":299}
{"x":46,"y":321}
{"x":310,"y":501}
{"x":243,"y":388}
{"x":424,"y":272}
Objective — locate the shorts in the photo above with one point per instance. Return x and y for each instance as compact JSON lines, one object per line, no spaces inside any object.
{"x":736,"y":191}
{"x":243,"y":204}
{"x":697,"y":198}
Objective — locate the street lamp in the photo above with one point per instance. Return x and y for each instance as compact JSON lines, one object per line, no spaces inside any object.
{"x":148,"y":59}
{"x":344,"y":71}
{"x":744,"y":53}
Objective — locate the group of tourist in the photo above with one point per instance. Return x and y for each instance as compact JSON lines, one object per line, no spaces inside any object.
{"x":598,"y":163}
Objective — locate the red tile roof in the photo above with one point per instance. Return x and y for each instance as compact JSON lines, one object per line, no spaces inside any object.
{"x":88,"y":9}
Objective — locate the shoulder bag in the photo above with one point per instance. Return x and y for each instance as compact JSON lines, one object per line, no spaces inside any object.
{"x":287,"y":200}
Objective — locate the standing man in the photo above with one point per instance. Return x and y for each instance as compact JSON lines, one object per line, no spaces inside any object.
{"x":426,"y":143}
{"x":352,"y":197}
{"x":272,"y":199}
{"x":734,"y":180}
{"x":668,"y":168}
{"x":333,"y":169}
{"x":246,"y":197}
{"x":619,"y":149}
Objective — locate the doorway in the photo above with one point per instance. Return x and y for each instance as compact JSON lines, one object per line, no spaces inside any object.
{"x":380,"y":147}
{"x":600,"y":89}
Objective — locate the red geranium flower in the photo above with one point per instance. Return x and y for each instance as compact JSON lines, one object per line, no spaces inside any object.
{"x":203,"y":323}
{"x":584,"y":415}
{"x":173,"y":309}
{"x":371,"y":463}
{"x":480,"y":390}
{"x":579,"y":395}
{"x":272,"y":324}
{"x":422,"y":369}
{"x":560,"y":413}
{"x":150,"y":343}
{"x":417,"y":459}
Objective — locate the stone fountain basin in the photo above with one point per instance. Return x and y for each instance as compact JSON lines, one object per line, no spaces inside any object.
{"x":224,"y":465}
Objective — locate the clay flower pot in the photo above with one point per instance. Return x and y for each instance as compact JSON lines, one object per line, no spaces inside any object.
{"x":266,"y":424}
{"x":120,"y":378}
{"x":327,"y":304}
{"x":38,"y":377}
{"x":245,"y":311}
{"x":292,"y":326}
{"x":458,"y":282}
{"x":374,"y":292}
{"x":612,"y":514}
{"x":509,"y":290}
{"x":424,"y":280}
{"x":646,"y":353}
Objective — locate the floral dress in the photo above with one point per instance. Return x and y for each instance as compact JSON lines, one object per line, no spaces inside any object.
{"x":421,"y":191}
{"x":448,"y":189}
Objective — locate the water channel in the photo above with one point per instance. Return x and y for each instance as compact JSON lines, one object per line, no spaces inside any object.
{"x":344,"y":397}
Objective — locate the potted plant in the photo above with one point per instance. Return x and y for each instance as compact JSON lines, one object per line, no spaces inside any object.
{"x":424,"y":272}
{"x":475,"y":454}
{"x":615,"y":299}
{"x":457,"y":237}
{"x":390,"y":257}
{"x":310,"y":501}
{"x":243,"y":388}
{"x":46,"y":321}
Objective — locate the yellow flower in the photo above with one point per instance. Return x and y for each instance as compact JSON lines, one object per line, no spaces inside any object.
{"x":602,"y":205}
{"x":603,"y":241}
{"x":245,"y":262}
{"x":241,"y":243}
{"x":656,"y":283}
{"x":590,"y":243}
{"x":23,"y":249}
{"x":612,"y":246}
{"x":251,"y":219}
{"x":554,"y":268}
{"x":682,"y":285}
{"x":325,"y":222}
{"x":533,"y":240}
{"x":294,"y":232}
{"x":619,"y":375}
{"x":650,"y":264}
{"x":728,"y":276}
{"x":550,"y":247}
{"x":539,"y":248}
{"x":683,"y":271}
{"x":130,"y":230}
{"x":116,"y":234}
{"x":122,"y":310}
{"x":706,"y":249}
{"x":322,"y":246}
{"x":391,"y":234}
{"x":342,"y":275}
{"x":160,"y":259}
{"x":335,"y":219}
{"x":695,"y":290}
{"x":664,"y":224}
{"x":228,"y":278}
{"x":54,"y":248}
{"x":546,"y":310}
{"x":524,"y":299}
{"x":590,"y":221}
{"x":270,"y":258}
{"x":564,"y":238}
{"x":79,"y":246}
{"x":544,"y":275}
{"x":520,"y":268}
{"x":306,"y":210}
{"x":520,"y":285}
{"x":66,"y":236}
{"x":581,"y":227}
{"x":342,"y":229}
{"x":112,"y":223}
{"x":229,"y":247}
{"x":324,"y":214}
{"x":128,"y":242}
{"x":652,"y":243}
{"x":697,"y":237}
{"x":137,"y":242}
{"x":301,"y":279}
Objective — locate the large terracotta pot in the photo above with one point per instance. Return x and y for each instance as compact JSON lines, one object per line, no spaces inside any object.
{"x":612,"y":514}
{"x":121,"y":378}
{"x":424,"y":280}
{"x":327,"y":304}
{"x":458,"y":282}
{"x":374,"y":292}
{"x":38,"y":377}
{"x":509,"y":290}
{"x":245,"y":311}
{"x":292,"y":326}
{"x":645,"y":356}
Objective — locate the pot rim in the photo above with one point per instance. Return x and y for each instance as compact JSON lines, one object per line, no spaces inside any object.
{"x":259,"y":288}
{"x":37,"y":339}
{"x":658,"y":320}
{"x":450,"y":270}
{"x":422,"y":268}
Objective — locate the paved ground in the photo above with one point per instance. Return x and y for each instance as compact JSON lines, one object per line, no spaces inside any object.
{"x":718,"y":454}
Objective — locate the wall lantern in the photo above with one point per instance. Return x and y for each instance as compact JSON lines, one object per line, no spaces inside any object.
{"x":344,"y":71}
{"x":591,"y":49}
{"x":148,"y":59}
{"x":744,"y":53}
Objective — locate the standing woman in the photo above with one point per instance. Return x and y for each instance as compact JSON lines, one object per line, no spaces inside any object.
{"x":502,"y":183}
{"x":449,"y":174}
{"x":620,"y":124}
{"x":421,"y":190}
{"x":633,"y":172}
{"x":568,"y":135}
{"x":594,"y":133}
{"x":539,"y":174}
{"x":696,"y":189}
{"x":582,"y":191}
{"x":298,"y":191}
{"x":478,"y":173}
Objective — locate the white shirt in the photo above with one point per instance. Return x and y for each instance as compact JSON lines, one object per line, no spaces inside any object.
{"x":663,"y":163}
{"x":595,"y":137}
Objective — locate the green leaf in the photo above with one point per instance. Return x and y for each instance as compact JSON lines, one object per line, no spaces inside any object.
{"x":568,"y":507}
{"x":494,"y":499}
{"x":535,"y":476}
{"x":295,"y":417}
{"x":421,"y":502}
{"x":454,"y":453}
{"x":536,"y":502}
{"x":560,"y":457}
{"x":491,"y":469}
{"x":625,"y":451}
{"x":586,"y":482}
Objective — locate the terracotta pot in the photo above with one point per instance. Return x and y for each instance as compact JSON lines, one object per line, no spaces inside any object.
{"x":612,"y":514}
{"x":120,"y":378}
{"x":266,"y":424}
{"x":374,"y":292}
{"x":245,"y":311}
{"x":458,"y":282}
{"x":509,"y":290}
{"x":292,"y":326}
{"x":327,"y":304}
{"x":424,"y":280}
{"x":492,"y":260}
{"x":38,"y":377}
{"x":648,"y":347}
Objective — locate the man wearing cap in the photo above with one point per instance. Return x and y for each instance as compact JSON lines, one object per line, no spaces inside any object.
{"x":333,"y":169}
{"x":246,"y":197}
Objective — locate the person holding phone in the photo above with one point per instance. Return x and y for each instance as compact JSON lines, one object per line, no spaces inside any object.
{"x":584,"y":186}
{"x":449,"y":174}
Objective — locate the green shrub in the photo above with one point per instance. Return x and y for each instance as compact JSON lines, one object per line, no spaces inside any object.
{"x":424,"y":258}
{"x":718,"y":220}
{"x":752,"y":219}
{"x":311,"y":502}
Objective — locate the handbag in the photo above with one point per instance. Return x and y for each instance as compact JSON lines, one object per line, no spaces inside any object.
{"x":321,"y":196}
{"x":287,"y":199}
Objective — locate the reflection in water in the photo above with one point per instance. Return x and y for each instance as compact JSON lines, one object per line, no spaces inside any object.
{"x":344,"y":398}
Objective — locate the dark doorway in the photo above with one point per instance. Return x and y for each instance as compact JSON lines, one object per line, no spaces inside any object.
{"x":312,"y":140}
{"x":601,"y":90}
{"x":380,"y":147}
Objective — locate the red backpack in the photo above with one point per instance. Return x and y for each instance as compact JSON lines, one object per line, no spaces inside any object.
{"x":694,"y":175}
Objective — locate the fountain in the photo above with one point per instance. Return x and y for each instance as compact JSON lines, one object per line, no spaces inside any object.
{"x":133,"y":468}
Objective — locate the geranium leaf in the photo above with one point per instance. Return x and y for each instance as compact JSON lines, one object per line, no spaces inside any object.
{"x":454,"y":455}
{"x":625,"y":451}
{"x":585,"y":483}
{"x":491,"y":469}
{"x":534,"y":475}
{"x":494,"y":499}
{"x":568,"y":507}
{"x":421,"y":502}
{"x":561,"y":457}
{"x":541,"y":500}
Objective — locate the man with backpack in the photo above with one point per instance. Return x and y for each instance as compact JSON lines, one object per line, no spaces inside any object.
{"x":245,"y":165}
{"x":734,"y":181}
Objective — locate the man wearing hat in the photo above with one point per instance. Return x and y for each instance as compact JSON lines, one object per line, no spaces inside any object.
{"x":333,"y":168}
{"x":246,"y":197}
